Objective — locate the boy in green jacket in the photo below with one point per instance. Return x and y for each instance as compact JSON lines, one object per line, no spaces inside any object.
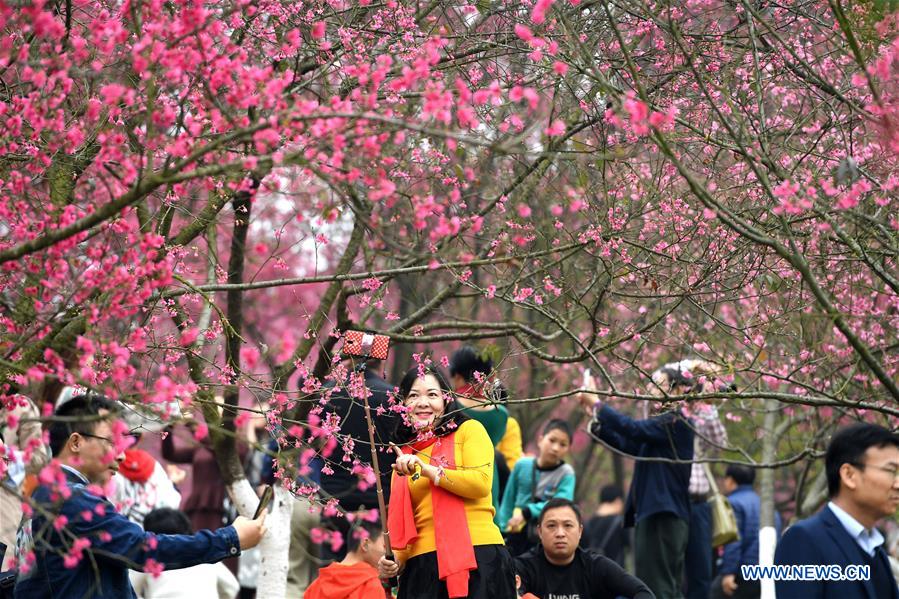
{"x":533,"y":482}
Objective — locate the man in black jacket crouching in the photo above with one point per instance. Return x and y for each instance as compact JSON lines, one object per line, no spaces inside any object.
{"x":559,"y":568}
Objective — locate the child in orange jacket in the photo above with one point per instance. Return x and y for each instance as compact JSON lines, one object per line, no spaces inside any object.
{"x":356,"y":577}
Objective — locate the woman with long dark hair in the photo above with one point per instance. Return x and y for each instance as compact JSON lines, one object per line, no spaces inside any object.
{"x":441,"y":514}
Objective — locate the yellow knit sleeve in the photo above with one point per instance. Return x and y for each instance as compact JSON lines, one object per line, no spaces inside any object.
{"x":472,"y":477}
{"x":400,"y":556}
{"x":510,"y":445}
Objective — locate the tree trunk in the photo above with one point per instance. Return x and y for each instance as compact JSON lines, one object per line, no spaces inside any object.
{"x":402,"y":352}
{"x":273,"y":549}
{"x":815,"y":496}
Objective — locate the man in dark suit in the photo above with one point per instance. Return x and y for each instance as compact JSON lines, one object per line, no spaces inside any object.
{"x":862,"y":465}
{"x":658,"y":504}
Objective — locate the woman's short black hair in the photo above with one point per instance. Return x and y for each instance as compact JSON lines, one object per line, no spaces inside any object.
{"x":167,"y":521}
{"x":466,"y":361}
{"x":687,"y":376}
{"x":448,"y":422}
{"x":848,"y":446}
{"x":677,"y":380}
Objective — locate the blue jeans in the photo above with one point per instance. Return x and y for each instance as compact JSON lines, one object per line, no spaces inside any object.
{"x":698,"y":562}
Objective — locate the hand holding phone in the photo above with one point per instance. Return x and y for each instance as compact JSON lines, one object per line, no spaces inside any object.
{"x":588,"y":400}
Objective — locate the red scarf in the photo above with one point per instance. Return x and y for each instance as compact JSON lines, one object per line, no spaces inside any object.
{"x":455,"y":553}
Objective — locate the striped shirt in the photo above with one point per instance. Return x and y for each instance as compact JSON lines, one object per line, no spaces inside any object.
{"x":710,"y":435}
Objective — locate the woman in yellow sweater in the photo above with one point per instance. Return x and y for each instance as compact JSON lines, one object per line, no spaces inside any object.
{"x":441,"y":515}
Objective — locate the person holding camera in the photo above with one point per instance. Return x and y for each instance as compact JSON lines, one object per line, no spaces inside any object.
{"x":658,"y":502}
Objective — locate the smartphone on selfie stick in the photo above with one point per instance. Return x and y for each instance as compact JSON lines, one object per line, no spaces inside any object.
{"x":364,"y":345}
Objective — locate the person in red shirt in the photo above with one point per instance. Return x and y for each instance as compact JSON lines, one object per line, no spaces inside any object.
{"x":356,"y":577}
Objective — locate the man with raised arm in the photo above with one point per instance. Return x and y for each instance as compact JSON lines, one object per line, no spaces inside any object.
{"x":658,"y":502}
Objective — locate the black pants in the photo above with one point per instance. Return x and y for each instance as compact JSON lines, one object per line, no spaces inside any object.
{"x":698,"y":561}
{"x":659,"y":546}
{"x":494,"y":578}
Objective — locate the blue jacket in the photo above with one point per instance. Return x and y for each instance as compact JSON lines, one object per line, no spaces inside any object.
{"x":657,"y":487}
{"x":559,"y":482}
{"x":116,"y":544}
{"x":822,"y":540}
{"x":747,"y":506}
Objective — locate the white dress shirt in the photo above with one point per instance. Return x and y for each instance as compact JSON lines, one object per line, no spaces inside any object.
{"x":868,"y":540}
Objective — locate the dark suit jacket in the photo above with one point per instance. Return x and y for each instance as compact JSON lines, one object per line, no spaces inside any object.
{"x":822,"y":540}
{"x":657,"y":487}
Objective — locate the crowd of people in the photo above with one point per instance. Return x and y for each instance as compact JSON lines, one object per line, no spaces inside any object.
{"x":469,"y":513}
{"x":74,"y":542}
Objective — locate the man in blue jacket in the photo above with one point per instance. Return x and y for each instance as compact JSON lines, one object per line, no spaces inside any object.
{"x":76,"y":544}
{"x":745,"y":551}
{"x":659,"y":499}
{"x":862,"y":466}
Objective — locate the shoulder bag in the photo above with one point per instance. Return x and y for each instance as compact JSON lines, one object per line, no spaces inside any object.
{"x":724,"y":522}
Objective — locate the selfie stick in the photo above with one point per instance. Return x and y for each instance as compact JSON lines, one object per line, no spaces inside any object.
{"x":366,"y":350}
